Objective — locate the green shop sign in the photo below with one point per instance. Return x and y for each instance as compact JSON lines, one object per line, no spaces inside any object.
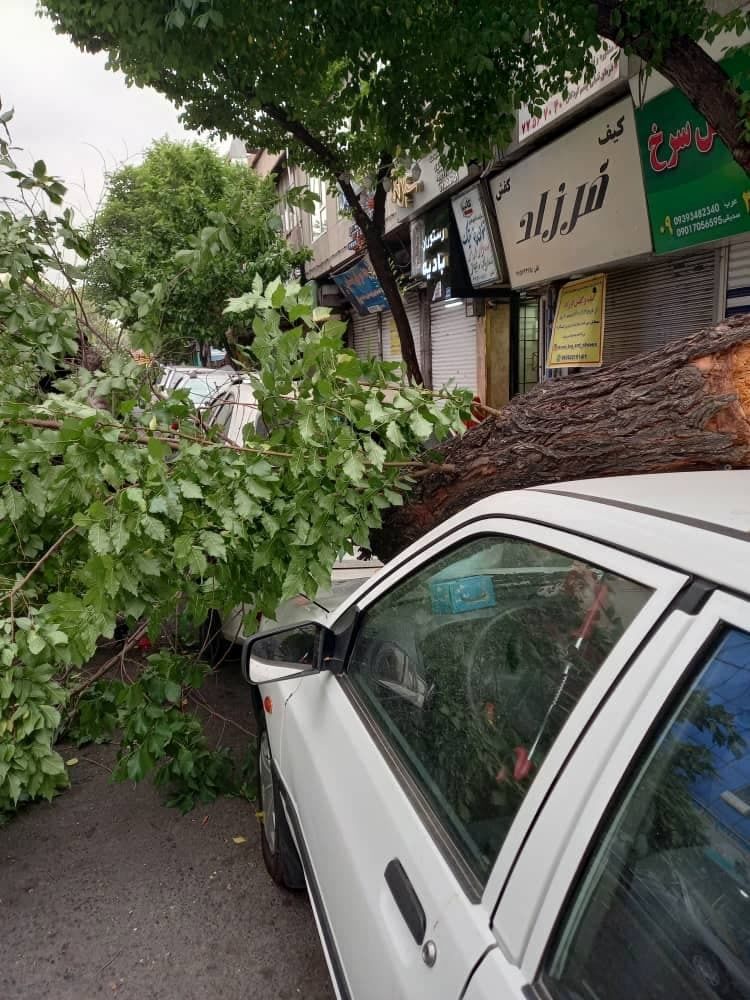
{"x":695,"y":191}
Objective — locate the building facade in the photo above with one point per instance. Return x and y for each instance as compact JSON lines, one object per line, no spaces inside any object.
{"x":615,"y":222}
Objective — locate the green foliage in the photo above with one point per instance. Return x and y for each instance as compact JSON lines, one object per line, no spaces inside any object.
{"x":364,"y":79}
{"x":159,"y":738}
{"x":116,"y":504}
{"x":30,"y":701}
{"x":185,"y":229}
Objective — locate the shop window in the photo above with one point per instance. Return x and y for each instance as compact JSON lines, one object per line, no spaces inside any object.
{"x":528,"y":345}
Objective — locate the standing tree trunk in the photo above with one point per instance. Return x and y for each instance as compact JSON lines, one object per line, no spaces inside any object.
{"x":374,"y":232}
{"x":685,"y":406}
{"x":373,"y":229}
{"x":689,"y":68}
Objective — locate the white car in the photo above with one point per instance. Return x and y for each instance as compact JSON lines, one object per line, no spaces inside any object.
{"x":232,"y":408}
{"x":515,"y":763}
{"x":201,"y":383}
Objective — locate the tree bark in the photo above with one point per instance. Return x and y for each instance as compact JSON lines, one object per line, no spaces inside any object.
{"x":373,"y":230}
{"x":689,"y":68}
{"x":683,"y":407}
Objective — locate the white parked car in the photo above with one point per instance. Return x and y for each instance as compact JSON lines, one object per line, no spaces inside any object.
{"x":201,"y":383}
{"x":232,"y":407}
{"x":230,"y":410}
{"x":515,"y":763}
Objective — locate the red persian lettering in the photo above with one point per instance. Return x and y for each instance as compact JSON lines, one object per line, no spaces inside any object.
{"x":705,"y":143}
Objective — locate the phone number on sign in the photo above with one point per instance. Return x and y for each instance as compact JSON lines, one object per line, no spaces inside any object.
{"x":697,"y":227}
{"x":698,"y":213}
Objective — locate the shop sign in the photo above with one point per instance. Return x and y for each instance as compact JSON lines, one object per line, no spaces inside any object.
{"x":362,"y":288}
{"x":434,"y":181}
{"x":606,"y":73}
{"x":403,"y":190}
{"x":476,"y":238}
{"x":577,"y":204}
{"x":430,"y":256}
{"x":696,"y":192}
{"x":578,"y":330}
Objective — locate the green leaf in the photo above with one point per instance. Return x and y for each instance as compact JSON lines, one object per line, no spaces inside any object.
{"x":421,"y":427}
{"x":35,"y":643}
{"x":256,"y":488}
{"x":153,"y":528}
{"x":213,"y":544}
{"x":375,"y":453}
{"x":190,"y":490}
{"x":394,"y":435}
{"x":99,"y":539}
{"x":158,"y":449}
{"x":374,"y":409}
{"x":354,"y":468}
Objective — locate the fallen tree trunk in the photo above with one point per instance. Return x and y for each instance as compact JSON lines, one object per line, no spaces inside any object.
{"x":683,"y":407}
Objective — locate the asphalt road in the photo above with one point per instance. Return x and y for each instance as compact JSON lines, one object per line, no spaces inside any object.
{"x":106,"y":892}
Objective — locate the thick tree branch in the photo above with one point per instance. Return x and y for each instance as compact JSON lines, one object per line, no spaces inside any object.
{"x":373,"y":229}
{"x":683,"y":407}
{"x":689,"y":68}
{"x":303,"y":135}
{"x":384,"y":171}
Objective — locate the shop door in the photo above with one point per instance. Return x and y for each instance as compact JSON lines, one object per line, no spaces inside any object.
{"x":454,"y":345}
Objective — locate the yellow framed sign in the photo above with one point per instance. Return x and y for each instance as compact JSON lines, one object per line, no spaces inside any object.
{"x":578,"y":330}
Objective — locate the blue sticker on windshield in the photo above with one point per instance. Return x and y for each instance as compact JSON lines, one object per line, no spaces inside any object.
{"x":469,"y":593}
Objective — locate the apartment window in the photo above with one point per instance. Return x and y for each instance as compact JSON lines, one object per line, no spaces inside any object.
{"x":289,"y":215}
{"x":319,"y":216}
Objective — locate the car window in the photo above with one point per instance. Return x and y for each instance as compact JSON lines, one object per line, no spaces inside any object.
{"x":222,"y":410}
{"x":472,"y":666}
{"x":664,"y":908}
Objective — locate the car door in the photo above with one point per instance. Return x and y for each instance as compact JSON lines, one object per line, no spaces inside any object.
{"x":472,"y":671}
{"x":635,"y":880}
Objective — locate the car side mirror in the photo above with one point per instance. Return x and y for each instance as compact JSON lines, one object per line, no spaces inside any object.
{"x":283,"y":653}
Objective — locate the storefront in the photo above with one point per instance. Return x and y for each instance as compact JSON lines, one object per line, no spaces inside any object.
{"x":365,"y":334}
{"x":454,"y":344}
{"x":391,"y":345}
{"x":654,"y":303}
{"x":696,"y":195}
{"x":452,"y":327}
{"x":358,"y":284}
{"x":738,"y":277}
{"x":577,"y":207}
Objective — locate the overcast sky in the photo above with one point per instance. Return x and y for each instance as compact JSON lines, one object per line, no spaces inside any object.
{"x":70,"y":112}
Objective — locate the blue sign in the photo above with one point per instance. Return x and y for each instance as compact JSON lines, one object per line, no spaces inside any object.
{"x":362,"y":288}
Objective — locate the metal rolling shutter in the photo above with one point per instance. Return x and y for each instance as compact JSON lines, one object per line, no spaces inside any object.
{"x":454,"y":345}
{"x":649,"y":305}
{"x":411,"y":301}
{"x":366,"y":335}
{"x":738,"y":279}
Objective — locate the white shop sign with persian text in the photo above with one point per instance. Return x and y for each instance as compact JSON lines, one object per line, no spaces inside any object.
{"x":607,"y":72}
{"x":476,"y":238}
{"x":575,"y":205}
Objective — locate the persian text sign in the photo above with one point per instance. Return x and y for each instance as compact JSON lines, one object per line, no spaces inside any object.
{"x":476,"y":238}
{"x":606,"y":72}
{"x":434,"y":181}
{"x":577,"y":204}
{"x":362,"y":288}
{"x":578,"y":331}
{"x":696,"y":192}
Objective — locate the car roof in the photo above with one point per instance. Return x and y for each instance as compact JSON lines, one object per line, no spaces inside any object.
{"x":697,"y":522}
{"x":718,"y":501}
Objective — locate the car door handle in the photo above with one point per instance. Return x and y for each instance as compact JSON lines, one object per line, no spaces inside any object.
{"x":406,"y":899}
